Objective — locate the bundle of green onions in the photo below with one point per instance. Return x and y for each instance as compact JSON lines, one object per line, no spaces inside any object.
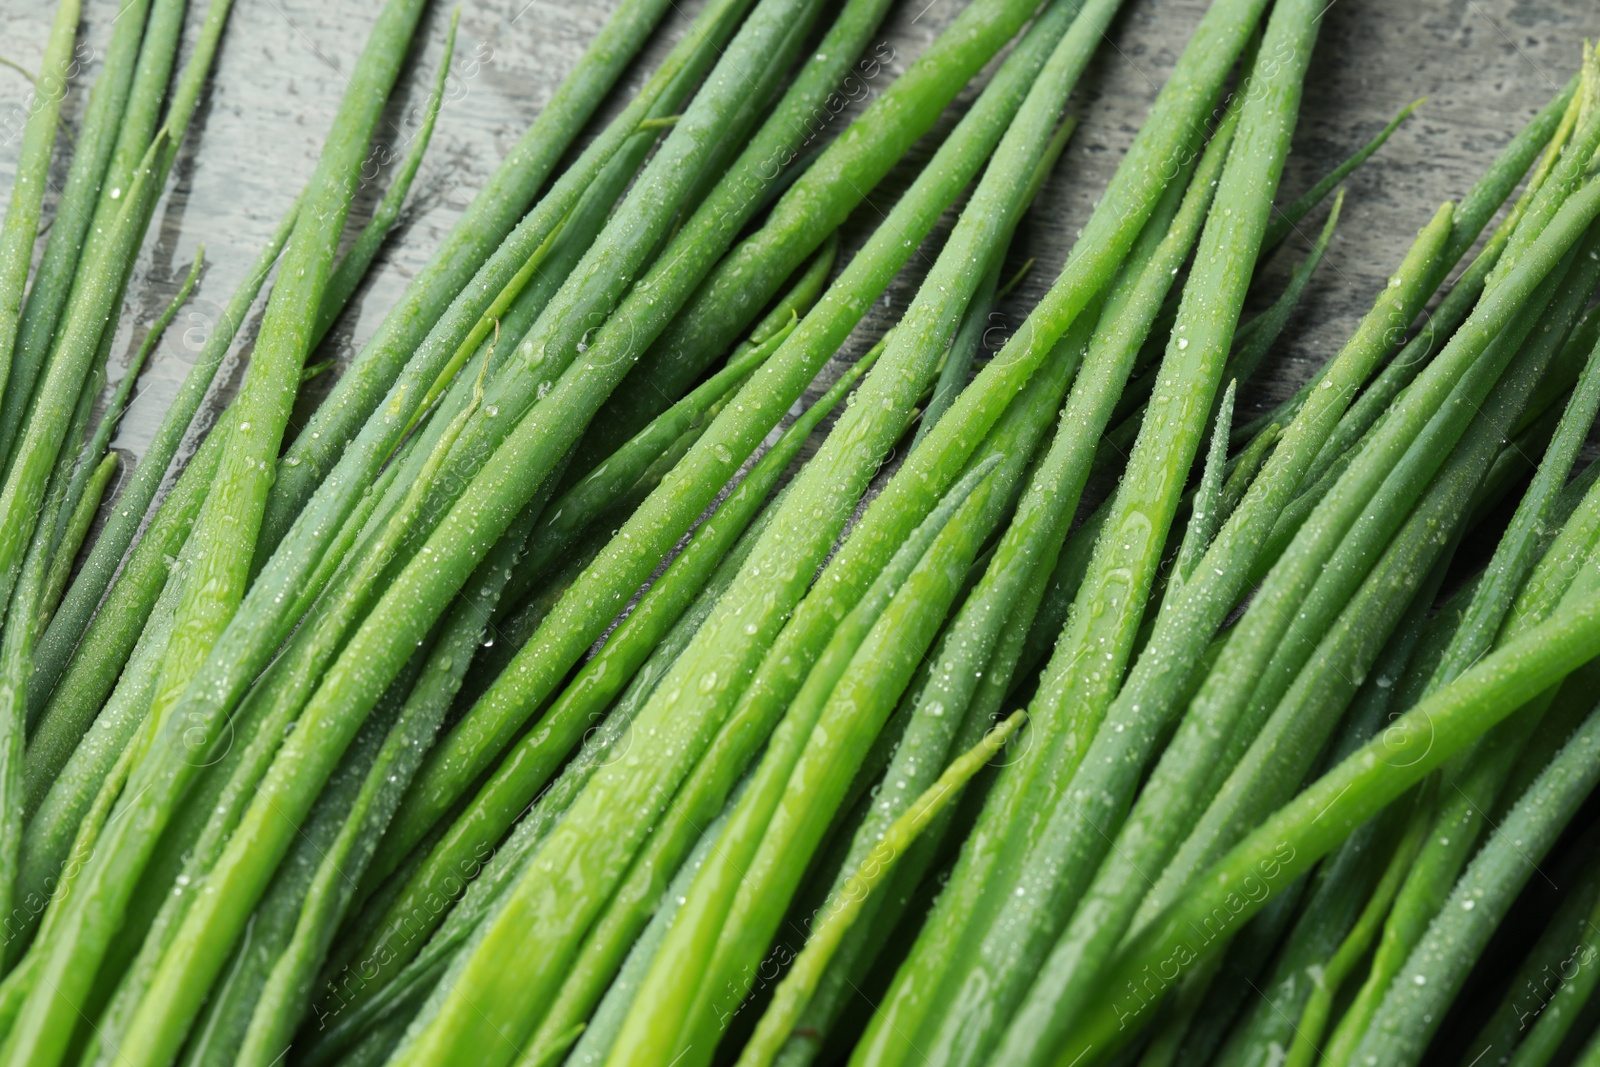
{"x":568,"y":690}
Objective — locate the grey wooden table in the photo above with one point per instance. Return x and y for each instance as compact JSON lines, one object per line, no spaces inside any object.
{"x":1484,"y":65}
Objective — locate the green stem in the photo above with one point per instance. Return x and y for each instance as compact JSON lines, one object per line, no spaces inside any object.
{"x":68,"y":689}
{"x":352,"y":268}
{"x":528,"y":766}
{"x":1415,"y":1004}
{"x":801,"y":981}
{"x":487,"y":221}
{"x":76,"y":528}
{"x":225,"y":537}
{"x":1308,"y":827}
{"x":21,"y":226}
{"x":97,"y":139}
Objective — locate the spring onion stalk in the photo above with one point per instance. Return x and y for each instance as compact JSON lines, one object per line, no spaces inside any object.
{"x":1251,"y":343}
{"x":1557,"y":1018}
{"x":284,"y":608}
{"x":26,"y":482}
{"x":957,"y":368}
{"x":1052,"y":496}
{"x":1126,"y":224}
{"x":592,"y":207}
{"x":97,"y":292}
{"x":1285,"y":219}
{"x":194,"y":840}
{"x":1262,"y":628}
{"x":118,"y":402}
{"x":1381,"y":393}
{"x":706,"y":791}
{"x":801,"y":295}
{"x":1318,"y":819}
{"x":1589,"y":1056}
{"x":512,"y":631}
{"x":529,"y":766}
{"x":702,"y":794}
{"x":558,"y":241}
{"x":85,"y":679}
{"x":720,"y":984}
{"x":575,"y":509}
{"x":1344,"y":881}
{"x":453,"y":332}
{"x":16,"y":645}
{"x":1004,"y":936}
{"x":101,"y":286}
{"x":21,"y":226}
{"x":186,"y":850}
{"x":54,"y":847}
{"x":1536,"y":986}
{"x":74,"y":529}
{"x":133,"y":926}
{"x":19,"y":981}
{"x":291,"y":965}
{"x":632,"y":479}
{"x":220,"y":1033}
{"x":310,"y":753}
{"x":1338,"y":891}
{"x":1567,"y":173}
{"x":227,"y":526}
{"x":1122,"y":213}
{"x":97,"y":139}
{"x":1286,"y":745}
{"x":1145,"y":838}
{"x":489,"y":218}
{"x":534,"y":263}
{"x":1474,"y":785}
{"x":353,"y":997}
{"x":16,"y":650}
{"x":822,"y":198}
{"x":1543,"y":133}
{"x":1319,"y":1006}
{"x":1535,"y":359}
{"x":1037,"y":177}
{"x":57,"y":807}
{"x":1566,"y":709}
{"x":265,"y":721}
{"x":669,"y":448}
{"x":1266,"y":327}
{"x":1205,"y":515}
{"x":538,"y":280}
{"x":352,"y":268}
{"x":287,"y":992}
{"x":1517,"y":553}
{"x":214,"y":920}
{"x":1415,"y":1004}
{"x":657,"y":524}
{"x":118,"y":627}
{"x":171,"y":521}
{"x":817,"y":745}
{"x":268,"y":611}
{"x":845,"y":908}
{"x":595,"y":1042}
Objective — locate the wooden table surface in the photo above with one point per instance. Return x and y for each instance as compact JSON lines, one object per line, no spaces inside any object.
{"x":1485,"y":67}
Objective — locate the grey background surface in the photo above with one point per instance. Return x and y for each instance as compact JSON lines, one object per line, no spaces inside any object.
{"x":1485,"y":66}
